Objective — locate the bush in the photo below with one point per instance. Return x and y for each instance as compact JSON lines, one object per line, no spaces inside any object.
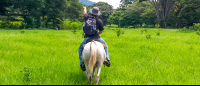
{"x":23,"y":31}
{"x":198,"y":33}
{"x":69,"y":25}
{"x":119,"y":31}
{"x":107,"y":27}
{"x":16,"y":25}
{"x":12,"y":25}
{"x":144,"y":30}
{"x":65,"y":25}
{"x":158,"y":33}
{"x":4,"y":24}
{"x":196,"y":26}
{"x":76,"y":25}
{"x":144,"y":26}
{"x":148,"y":36}
{"x":0,"y":23}
{"x":147,"y":26}
{"x":130,"y":27}
{"x":183,"y":29}
{"x":157,"y":26}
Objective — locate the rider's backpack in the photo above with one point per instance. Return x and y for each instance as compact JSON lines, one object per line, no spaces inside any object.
{"x":89,"y":27}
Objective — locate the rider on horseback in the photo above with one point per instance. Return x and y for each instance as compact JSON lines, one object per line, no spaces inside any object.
{"x":94,"y":35}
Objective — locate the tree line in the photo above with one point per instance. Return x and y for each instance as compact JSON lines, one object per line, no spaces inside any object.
{"x":165,"y":13}
{"x":40,"y":13}
{"x":131,"y":13}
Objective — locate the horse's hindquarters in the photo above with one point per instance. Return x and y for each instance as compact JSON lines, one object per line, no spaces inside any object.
{"x":93,"y":53}
{"x":86,"y":54}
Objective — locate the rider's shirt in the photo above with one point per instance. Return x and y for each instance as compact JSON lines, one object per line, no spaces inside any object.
{"x":99,"y":27}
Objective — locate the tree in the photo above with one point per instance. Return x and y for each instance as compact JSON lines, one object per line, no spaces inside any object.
{"x":3,"y":5}
{"x":162,"y":9}
{"x":145,"y":11}
{"x":52,"y":12}
{"x":184,"y":13}
{"x":114,"y":18}
{"x":149,"y":17}
{"x":126,"y":2}
{"x":130,"y":19}
{"x":190,"y":12}
{"x":105,"y":9}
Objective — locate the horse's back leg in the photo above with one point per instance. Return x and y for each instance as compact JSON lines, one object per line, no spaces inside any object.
{"x":93,"y":73}
{"x":98,"y":74}
{"x":88,"y":74}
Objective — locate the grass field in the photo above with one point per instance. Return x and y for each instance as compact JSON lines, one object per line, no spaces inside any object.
{"x":50,"y":57}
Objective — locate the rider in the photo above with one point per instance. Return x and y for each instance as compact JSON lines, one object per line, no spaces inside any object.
{"x":99,"y":25}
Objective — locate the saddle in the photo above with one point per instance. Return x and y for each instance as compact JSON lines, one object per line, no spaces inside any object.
{"x":90,"y":40}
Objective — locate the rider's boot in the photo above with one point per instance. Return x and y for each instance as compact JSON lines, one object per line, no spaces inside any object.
{"x":83,"y":66}
{"x":107,"y":62}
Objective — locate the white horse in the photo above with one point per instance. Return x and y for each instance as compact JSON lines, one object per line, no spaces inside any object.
{"x":93,"y":56}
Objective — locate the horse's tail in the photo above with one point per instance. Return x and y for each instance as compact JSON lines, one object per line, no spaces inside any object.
{"x":93,"y":58}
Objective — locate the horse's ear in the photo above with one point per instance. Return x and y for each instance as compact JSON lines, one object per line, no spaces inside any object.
{"x":104,"y":45}
{"x":83,"y":45}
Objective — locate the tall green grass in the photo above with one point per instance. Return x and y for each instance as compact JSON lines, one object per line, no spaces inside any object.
{"x":50,"y":57}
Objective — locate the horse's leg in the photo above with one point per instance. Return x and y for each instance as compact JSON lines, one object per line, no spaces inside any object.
{"x":98,"y":74}
{"x":88,"y":74}
{"x":93,"y":73}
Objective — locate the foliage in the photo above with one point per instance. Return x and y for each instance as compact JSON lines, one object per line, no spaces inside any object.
{"x":51,"y":11}
{"x":196,"y":26}
{"x":75,"y":27}
{"x":149,"y":16}
{"x":65,"y":25}
{"x":12,"y":25}
{"x":147,"y":26}
{"x":22,"y":31}
{"x":157,"y":26}
{"x":130,"y":19}
{"x":115,"y":17}
{"x":119,"y":31}
{"x":162,"y":9}
{"x":130,"y":27}
{"x":3,"y":5}
{"x":184,"y":14}
{"x":148,"y":36}
{"x":134,"y":15}
{"x":144,"y":30}
{"x":198,"y":33}
{"x":126,"y":2}
{"x":105,"y":9}
{"x":71,"y":25}
{"x":184,"y":29}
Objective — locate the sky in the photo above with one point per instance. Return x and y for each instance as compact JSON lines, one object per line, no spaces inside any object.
{"x":114,"y":3}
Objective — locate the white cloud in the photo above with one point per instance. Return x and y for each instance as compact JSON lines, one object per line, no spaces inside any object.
{"x":114,"y":3}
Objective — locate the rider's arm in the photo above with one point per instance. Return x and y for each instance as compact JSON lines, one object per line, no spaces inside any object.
{"x":84,"y":10}
{"x":101,"y":27}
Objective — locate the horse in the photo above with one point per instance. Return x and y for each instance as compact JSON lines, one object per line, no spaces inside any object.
{"x":93,"y":56}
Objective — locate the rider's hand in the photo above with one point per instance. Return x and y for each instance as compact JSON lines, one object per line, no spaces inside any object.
{"x":84,"y":7}
{"x":84,"y":10}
